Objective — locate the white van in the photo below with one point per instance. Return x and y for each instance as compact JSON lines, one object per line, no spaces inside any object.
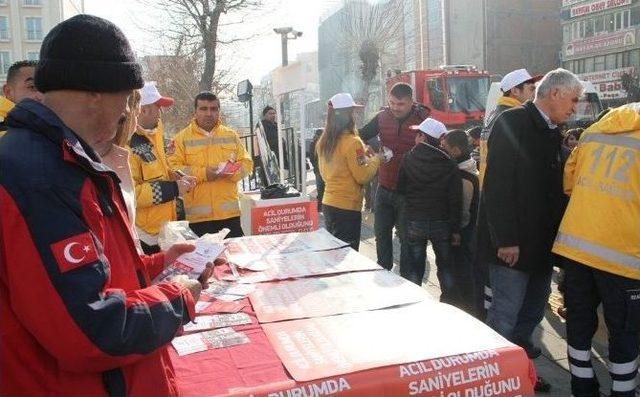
{"x":587,"y":110}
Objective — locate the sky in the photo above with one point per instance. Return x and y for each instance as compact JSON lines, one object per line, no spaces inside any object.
{"x":253,"y":58}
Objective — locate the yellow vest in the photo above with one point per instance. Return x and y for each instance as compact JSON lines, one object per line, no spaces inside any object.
{"x":5,"y":107}
{"x":346,"y":172}
{"x":194,"y":152}
{"x":155,"y":203}
{"x":601,"y":227}
{"x":484,"y":148}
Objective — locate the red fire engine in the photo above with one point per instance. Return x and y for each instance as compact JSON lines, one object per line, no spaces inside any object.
{"x":455,"y":94}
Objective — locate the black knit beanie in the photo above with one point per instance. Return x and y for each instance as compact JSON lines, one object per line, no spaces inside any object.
{"x":87,"y":53}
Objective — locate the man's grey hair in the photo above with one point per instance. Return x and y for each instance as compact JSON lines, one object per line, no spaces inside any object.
{"x":558,"y":78}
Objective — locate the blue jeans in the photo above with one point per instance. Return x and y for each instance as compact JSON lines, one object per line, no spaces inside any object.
{"x":438,"y":232}
{"x":389,"y":212}
{"x":519,"y":300}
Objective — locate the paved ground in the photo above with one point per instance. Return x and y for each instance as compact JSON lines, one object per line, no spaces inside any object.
{"x":550,"y":334}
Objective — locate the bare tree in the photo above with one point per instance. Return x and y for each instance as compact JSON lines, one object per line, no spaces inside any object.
{"x":175,"y":77}
{"x":371,"y":31}
{"x":193,"y":26}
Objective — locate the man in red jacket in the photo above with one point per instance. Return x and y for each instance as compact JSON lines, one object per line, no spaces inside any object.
{"x":392,"y":126}
{"x":79,"y":314}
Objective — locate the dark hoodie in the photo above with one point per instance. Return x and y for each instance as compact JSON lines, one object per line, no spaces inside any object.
{"x":431,"y":183}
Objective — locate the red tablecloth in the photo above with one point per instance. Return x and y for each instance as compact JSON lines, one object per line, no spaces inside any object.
{"x":254,"y":368}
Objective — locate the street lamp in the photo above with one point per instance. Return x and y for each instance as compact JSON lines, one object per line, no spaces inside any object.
{"x":286,"y":33}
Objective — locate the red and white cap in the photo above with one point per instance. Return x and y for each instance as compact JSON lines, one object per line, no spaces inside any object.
{"x":431,"y":127}
{"x":149,"y":95}
{"x":515,"y":78}
{"x":343,"y":100}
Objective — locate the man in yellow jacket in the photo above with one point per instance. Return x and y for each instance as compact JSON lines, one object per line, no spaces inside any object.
{"x":19,"y":85}
{"x":600,"y":239}
{"x":215,"y":156}
{"x":517,"y":87}
{"x":157,"y":187}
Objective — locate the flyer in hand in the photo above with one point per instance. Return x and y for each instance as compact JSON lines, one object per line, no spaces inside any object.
{"x":193,"y":263}
{"x":229,"y":168}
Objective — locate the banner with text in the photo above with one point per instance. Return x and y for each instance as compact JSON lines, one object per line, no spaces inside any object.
{"x":608,"y":82}
{"x":596,"y":6}
{"x":600,"y":42}
{"x":323,"y":347}
{"x":298,"y":217}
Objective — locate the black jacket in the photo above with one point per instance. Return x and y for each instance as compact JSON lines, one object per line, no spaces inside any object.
{"x":431,"y":183}
{"x":522,"y":200}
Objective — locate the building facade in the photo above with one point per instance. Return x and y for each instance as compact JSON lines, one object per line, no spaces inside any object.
{"x":25,"y":23}
{"x":601,"y":42}
{"x":494,"y":35}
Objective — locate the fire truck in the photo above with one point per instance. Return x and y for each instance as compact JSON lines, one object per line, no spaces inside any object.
{"x":456,"y":94}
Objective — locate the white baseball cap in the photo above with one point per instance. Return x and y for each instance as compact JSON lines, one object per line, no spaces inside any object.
{"x":515,"y":78}
{"x":149,"y":94}
{"x":343,"y":100}
{"x":431,"y":127}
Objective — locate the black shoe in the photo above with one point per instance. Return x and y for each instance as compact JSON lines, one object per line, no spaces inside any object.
{"x":542,"y":385}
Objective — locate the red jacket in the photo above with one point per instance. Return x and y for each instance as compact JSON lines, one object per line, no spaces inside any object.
{"x":79,"y":315}
{"x":397,"y":136}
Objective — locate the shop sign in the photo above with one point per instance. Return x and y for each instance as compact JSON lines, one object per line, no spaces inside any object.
{"x":608,"y":83}
{"x":596,"y":6}
{"x":623,"y":38}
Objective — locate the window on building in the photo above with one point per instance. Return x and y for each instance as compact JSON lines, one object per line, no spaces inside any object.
{"x":588,"y":28}
{"x":568,"y":65}
{"x":598,"y":25}
{"x":610,"y":61}
{"x":33,"y":55}
{"x":566,"y":33}
{"x":4,"y":28}
{"x":622,"y":59}
{"x":5,"y":62}
{"x":626,"y":16}
{"x":609,"y":23}
{"x":598,"y":64}
{"x":33,"y":2}
{"x":588,"y":65}
{"x":634,"y":58}
{"x":634,"y":15}
{"x":34,"y":28}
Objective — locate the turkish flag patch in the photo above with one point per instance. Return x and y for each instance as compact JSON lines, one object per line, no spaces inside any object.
{"x":74,"y":252}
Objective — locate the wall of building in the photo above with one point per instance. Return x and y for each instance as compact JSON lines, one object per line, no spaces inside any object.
{"x":465,"y":32}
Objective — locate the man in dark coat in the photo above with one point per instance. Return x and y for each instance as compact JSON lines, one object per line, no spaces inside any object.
{"x":522,"y":205}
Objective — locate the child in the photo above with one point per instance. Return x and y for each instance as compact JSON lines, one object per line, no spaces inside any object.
{"x":431,"y":184}
{"x":456,"y":143}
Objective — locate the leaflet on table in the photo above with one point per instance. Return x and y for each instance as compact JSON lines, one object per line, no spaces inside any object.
{"x":203,"y":341}
{"x":227,"y":291}
{"x":304,"y":264}
{"x":323,"y":347}
{"x":318,"y":240}
{"x":193,"y":263}
{"x":202,"y":323}
{"x":348,"y":293}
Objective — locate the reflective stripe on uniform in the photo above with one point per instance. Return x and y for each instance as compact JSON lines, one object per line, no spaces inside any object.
{"x":623,"y":368}
{"x":582,"y":355}
{"x":199,"y":210}
{"x":600,"y":251}
{"x":624,"y":385}
{"x":487,"y":291}
{"x":581,"y":372}
{"x":230,"y":205}
{"x":209,"y":141}
{"x":614,"y":140}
